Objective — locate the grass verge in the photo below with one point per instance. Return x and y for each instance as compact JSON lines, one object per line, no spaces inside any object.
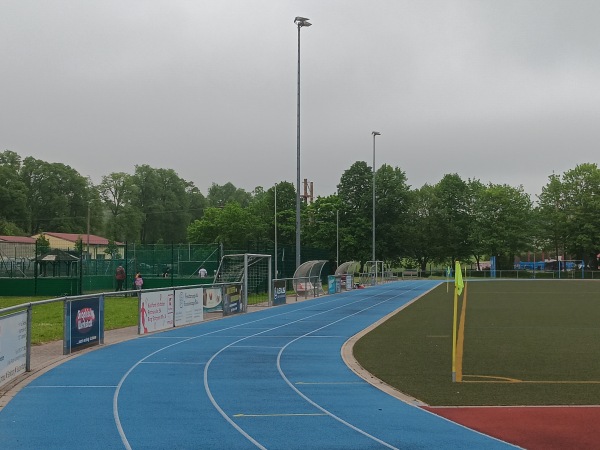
{"x":47,"y":320}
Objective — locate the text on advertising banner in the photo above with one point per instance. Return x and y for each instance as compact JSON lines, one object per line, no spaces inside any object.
{"x":156,"y":311}
{"x":13,"y":346}
{"x":84,"y":321}
{"x":188,"y":306}
{"x":232,"y":300}
{"x":280,"y":294}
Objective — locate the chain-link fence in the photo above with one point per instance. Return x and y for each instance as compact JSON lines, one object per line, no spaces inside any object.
{"x":76,"y":269}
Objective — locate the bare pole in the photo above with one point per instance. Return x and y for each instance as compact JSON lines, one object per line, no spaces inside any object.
{"x":300,"y":22}
{"x":374,"y":133}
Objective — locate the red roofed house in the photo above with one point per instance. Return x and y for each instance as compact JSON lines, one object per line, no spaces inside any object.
{"x":16,"y":247}
{"x":68,"y":241}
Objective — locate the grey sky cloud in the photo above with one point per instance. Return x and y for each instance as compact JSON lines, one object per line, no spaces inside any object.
{"x":502,"y":91}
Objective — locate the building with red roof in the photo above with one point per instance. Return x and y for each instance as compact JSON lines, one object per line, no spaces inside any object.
{"x":94,"y":245}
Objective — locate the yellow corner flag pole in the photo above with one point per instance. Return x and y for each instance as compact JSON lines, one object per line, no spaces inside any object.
{"x":458,"y":287}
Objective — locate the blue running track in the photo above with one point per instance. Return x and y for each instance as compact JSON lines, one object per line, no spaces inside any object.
{"x":274,"y":379}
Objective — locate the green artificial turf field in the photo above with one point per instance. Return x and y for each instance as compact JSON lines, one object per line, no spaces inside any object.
{"x":525,"y":343}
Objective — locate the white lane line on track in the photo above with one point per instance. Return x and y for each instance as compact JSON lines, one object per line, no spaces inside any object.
{"x":66,"y":386}
{"x":255,"y":346}
{"x":312,"y":383}
{"x":345,"y":304}
{"x":175,"y":363}
{"x":316,"y":405}
{"x":278,"y":415}
{"x":214,"y":333}
{"x":116,"y":417}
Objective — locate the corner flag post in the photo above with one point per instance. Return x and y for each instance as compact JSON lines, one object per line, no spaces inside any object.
{"x":458,"y":287}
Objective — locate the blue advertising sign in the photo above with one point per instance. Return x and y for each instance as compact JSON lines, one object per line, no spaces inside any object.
{"x":493,"y":267}
{"x":232,"y":300}
{"x":279,"y":297}
{"x":331,"y":284}
{"x":84,"y":323}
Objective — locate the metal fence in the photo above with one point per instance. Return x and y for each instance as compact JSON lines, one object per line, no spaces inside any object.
{"x":30,"y":269}
{"x":522,"y":274}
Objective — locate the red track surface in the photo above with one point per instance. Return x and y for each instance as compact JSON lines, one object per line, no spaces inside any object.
{"x":547,"y":428}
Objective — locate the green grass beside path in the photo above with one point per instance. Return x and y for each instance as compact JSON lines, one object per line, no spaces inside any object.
{"x":47,"y":320}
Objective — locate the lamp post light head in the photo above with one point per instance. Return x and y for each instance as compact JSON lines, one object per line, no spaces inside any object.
{"x":376,"y":133}
{"x":302,"y":22}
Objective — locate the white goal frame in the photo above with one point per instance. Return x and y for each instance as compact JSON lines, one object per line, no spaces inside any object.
{"x":243,"y":274}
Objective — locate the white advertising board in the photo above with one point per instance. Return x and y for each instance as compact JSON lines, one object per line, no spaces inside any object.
{"x":13,"y":346}
{"x":213,"y":299}
{"x":188,"y":306}
{"x":156,"y":311}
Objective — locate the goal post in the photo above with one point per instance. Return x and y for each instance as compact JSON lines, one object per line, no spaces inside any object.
{"x":253,"y":271}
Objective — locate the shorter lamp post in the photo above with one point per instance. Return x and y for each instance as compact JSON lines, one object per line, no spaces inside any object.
{"x":374,"y":133}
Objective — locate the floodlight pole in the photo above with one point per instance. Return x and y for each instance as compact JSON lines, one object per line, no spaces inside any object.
{"x":300,"y":22}
{"x":275,"y":217}
{"x":374,"y":133}
{"x":337,"y":238}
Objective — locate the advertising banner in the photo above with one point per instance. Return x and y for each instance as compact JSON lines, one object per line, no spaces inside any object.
{"x":156,"y":311}
{"x":232,"y":300}
{"x":331,"y":284}
{"x":213,"y":299}
{"x":279,"y":297}
{"x":84,"y":323}
{"x":13,"y":346}
{"x":493,"y":267}
{"x":348,"y":281}
{"x":188,"y":306}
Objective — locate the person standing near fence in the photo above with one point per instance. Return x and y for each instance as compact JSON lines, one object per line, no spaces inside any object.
{"x":138,"y":282}
{"x":202,"y":272}
{"x":120,"y":277}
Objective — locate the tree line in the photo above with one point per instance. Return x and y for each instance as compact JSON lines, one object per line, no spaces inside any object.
{"x":434,"y":224}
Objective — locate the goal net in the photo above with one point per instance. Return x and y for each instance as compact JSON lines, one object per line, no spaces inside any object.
{"x":253,"y":271}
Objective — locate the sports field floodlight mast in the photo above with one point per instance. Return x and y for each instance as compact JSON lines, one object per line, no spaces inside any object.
{"x":374,"y":133}
{"x":300,"y":22}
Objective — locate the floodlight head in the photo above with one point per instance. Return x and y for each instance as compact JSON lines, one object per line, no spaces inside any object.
{"x":376,"y":133}
{"x":302,"y":22}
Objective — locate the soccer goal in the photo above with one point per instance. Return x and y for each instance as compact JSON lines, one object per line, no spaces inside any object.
{"x":253,"y":271}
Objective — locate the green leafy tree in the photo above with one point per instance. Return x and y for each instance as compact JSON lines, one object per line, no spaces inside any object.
{"x":505,"y":217}
{"x":231,"y":225}
{"x":391,"y":213}
{"x":57,"y":197}
{"x":552,"y":214}
{"x":421,"y":230}
{"x":118,"y":193}
{"x":321,"y":225}
{"x":477,"y":237}
{"x":356,"y":199}
{"x":196,"y":201}
{"x":581,"y":190}
{"x":112,"y":249}
{"x":452,"y":219}
{"x":42,"y":245}
{"x":221,"y":195}
{"x":13,"y":195}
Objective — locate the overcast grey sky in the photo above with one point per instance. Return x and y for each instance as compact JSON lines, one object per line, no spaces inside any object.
{"x":499,"y":90}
